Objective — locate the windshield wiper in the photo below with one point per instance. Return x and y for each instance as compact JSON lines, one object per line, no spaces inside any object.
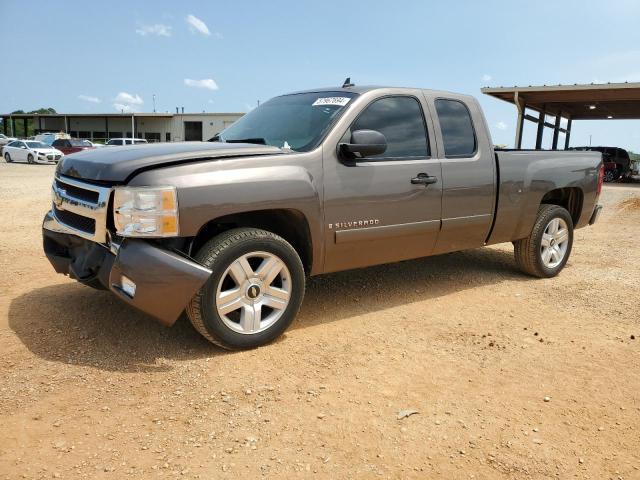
{"x":256,"y":140}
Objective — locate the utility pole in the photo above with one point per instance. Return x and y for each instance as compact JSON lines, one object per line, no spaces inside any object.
{"x":589,"y":139}
{"x":154,"y":103}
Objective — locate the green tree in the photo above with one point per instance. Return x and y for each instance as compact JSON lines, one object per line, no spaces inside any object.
{"x":20,"y":130}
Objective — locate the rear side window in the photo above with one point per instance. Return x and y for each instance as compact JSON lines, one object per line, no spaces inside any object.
{"x":400,"y":120}
{"x":457,"y":128}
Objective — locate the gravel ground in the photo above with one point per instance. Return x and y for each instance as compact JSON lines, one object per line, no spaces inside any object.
{"x":510,"y":376}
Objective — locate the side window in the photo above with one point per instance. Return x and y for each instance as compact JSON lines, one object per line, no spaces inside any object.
{"x":401,"y":121}
{"x":13,"y":144}
{"x":457,"y":128}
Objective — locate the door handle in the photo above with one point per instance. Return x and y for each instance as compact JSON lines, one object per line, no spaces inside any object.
{"x":423,"y":179}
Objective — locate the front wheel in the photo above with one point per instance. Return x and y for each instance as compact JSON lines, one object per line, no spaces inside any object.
{"x":7,"y":157}
{"x":546,"y":251}
{"x":29,"y":158}
{"x":254,"y":292}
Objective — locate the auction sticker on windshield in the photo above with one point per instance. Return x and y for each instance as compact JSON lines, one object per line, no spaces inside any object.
{"x":340,"y":101}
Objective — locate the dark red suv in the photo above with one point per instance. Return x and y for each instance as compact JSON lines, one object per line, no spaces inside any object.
{"x":72,"y":145}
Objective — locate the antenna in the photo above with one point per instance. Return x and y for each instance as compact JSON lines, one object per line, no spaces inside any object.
{"x":347,"y":83}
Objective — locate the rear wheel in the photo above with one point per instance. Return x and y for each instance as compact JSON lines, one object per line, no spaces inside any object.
{"x":609,"y":176}
{"x":254,"y":292}
{"x":30,"y":158}
{"x":546,"y":251}
{"x":7,"y":157}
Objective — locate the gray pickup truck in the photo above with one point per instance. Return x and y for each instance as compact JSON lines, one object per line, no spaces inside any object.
{"x":308,"y":183}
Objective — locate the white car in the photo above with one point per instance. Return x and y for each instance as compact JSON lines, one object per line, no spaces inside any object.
{"x":126,"y":141}
{"x":4,"y":139}
{"x":50,"y":137}
{"x":31,"y":151}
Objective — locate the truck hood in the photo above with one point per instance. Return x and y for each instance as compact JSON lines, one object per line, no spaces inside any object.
{"x":117,"y":164}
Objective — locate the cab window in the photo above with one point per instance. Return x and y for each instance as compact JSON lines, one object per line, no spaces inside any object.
{"x":400,"y":120}
{"x":456,"y":125}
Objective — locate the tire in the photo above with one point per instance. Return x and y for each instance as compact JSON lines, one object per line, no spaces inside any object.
{"x":7,"y":157}
{"x":29,"y":158}
{"x":609,"y":176}
{"x":260,"y":317}
{"x":533,"y":256}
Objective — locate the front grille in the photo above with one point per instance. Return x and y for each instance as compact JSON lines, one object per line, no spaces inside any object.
{"x":77,"y":192}
{"x":76,"y":221}
{"x":81,"y":206}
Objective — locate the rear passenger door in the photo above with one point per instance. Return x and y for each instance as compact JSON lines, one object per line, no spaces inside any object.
{"x":468,"y":173}
{"x":375,"y":210}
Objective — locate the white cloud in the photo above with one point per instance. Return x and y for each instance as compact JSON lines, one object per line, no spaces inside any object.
{"x":197,"y":25}
{"x":501,"y":126}
{"x":129,"y":99}
{"x":89,"y":98}
{"x":158,"y":29}
{"x":127,"y":102}
{"x":486,"y":77}
{"x":207,"y":83}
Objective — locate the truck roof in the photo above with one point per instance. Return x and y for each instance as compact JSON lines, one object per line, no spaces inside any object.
{"x":359,"y":89}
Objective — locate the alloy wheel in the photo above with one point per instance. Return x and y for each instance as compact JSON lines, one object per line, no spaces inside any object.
{"x":554,"y":243}
{"x":253,"y":292}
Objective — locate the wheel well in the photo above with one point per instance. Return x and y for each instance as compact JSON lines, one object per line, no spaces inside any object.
{"x":570,"y":198}
{"x":291,"y":225}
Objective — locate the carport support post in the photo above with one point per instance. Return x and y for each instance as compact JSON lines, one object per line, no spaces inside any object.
{"x":13,"y":127}
{"x":540,"y":133}
{"x":106,"y":127}
{"x":556,"y":132}
{"x":5,"y":120}
{"x":567,"y":135}
{"x":521,"y":106}
{"x":25,"y":124}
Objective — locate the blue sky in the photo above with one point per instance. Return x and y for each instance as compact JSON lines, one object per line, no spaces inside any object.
{"x":79,"y":56}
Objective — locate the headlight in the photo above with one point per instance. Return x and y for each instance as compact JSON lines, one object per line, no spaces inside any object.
{"x":146,"y":211}
{"x":41,"y":154}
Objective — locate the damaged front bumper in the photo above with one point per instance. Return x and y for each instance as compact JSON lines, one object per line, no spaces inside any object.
{"x":156,"y":281}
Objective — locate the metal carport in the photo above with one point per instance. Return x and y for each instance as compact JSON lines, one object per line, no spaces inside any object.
{"x":573,"y":102}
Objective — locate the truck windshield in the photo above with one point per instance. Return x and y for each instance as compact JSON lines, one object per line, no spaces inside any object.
{"x":298,"y":121}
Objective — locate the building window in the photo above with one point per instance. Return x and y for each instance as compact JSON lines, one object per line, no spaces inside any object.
{"x":115,"y":134}
{"x":152,"y":137}
{"x":457,"y":128}
{"x":84,"y":134}
{"x":167,"y":137}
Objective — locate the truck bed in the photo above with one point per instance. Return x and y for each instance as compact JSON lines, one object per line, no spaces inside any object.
{"x":525,"y":176}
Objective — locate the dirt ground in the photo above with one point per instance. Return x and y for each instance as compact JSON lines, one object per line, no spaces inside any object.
{"x":92,"y":389}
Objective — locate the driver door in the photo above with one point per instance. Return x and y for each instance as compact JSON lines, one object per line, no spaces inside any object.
{"x":377,"y":210}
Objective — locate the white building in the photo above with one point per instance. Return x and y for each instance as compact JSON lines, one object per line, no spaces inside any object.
{"x":155,"y":127}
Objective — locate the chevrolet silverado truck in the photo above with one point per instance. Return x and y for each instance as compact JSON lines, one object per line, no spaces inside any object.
{"x":308,"y":183}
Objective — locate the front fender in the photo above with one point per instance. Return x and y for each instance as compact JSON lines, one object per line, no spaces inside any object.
{"x":213,"y":189}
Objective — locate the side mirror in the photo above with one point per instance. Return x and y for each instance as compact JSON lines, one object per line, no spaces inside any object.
{"x":365,"y":143}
